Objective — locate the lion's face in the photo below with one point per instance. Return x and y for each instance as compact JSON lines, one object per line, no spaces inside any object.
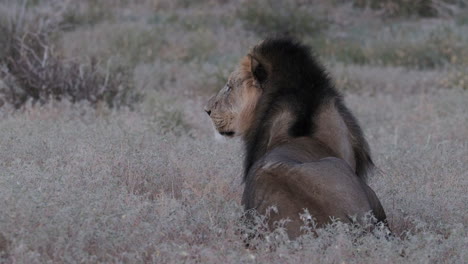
{"x":232,"y":109}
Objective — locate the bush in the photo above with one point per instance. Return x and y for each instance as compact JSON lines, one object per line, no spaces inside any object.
{"x":85,"y":13}
{"x":422,"y":8}
{"x":441,"y":47}
{"x":457,"y":78}
{"x":268,"y":17}
{"x":32,"y":70}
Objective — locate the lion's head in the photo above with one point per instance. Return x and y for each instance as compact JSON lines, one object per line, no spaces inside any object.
{"x":279,"y":91}
{"x":232,"y":108}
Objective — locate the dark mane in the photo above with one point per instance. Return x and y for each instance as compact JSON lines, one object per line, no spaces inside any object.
{"x":298,"y":83}
{"x":362,"y":153}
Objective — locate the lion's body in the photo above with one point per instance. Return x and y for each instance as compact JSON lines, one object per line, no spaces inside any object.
{"x":304,"y":148}
{"x":303,"y":174}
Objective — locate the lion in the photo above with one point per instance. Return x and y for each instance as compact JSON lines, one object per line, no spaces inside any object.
{"x":304,"y":150}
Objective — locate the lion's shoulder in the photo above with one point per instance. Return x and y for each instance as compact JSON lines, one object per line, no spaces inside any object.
{"x":291,"y":157}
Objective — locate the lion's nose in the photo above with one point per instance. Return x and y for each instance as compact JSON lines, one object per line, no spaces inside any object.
{"x":207,"y":109}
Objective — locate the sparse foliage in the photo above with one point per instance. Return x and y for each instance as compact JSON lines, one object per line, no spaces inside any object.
{"x":31,"y":69}
{"x":268,"y":17}
{"x":423,"y":8}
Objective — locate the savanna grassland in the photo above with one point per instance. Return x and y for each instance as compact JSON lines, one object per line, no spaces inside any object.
{"x":106,"y":154}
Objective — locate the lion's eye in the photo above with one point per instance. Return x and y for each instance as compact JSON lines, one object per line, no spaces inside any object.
{"x":229,"y":88}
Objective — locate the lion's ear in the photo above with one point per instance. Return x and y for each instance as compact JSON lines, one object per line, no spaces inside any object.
{"x":258,"y":70}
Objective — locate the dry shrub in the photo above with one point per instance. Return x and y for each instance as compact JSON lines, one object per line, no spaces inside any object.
{"x":32,"y":70}
{"x":422,"y":8}
{"x":457,"y":78}
{"x":268,"y":17}
{"x":439,"y":47}
{"x":86,"y":13}
{"x":174,"y":4}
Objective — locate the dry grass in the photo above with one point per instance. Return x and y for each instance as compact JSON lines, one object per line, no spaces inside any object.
{"x":83,"y":183}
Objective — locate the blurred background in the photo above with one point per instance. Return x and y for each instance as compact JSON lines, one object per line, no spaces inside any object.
{"x":127,"y":49}
{"x":106,"y":153}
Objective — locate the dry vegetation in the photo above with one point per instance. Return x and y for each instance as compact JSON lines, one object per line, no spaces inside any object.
{"x":107,"y":156}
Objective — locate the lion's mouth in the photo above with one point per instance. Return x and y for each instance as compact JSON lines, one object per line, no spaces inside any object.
{"x":227,"y":133}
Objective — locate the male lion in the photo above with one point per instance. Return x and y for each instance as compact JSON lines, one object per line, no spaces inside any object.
{"x":304,"y":148}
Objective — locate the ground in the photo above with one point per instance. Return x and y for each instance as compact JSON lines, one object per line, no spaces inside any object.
{"x":147,"y":181}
